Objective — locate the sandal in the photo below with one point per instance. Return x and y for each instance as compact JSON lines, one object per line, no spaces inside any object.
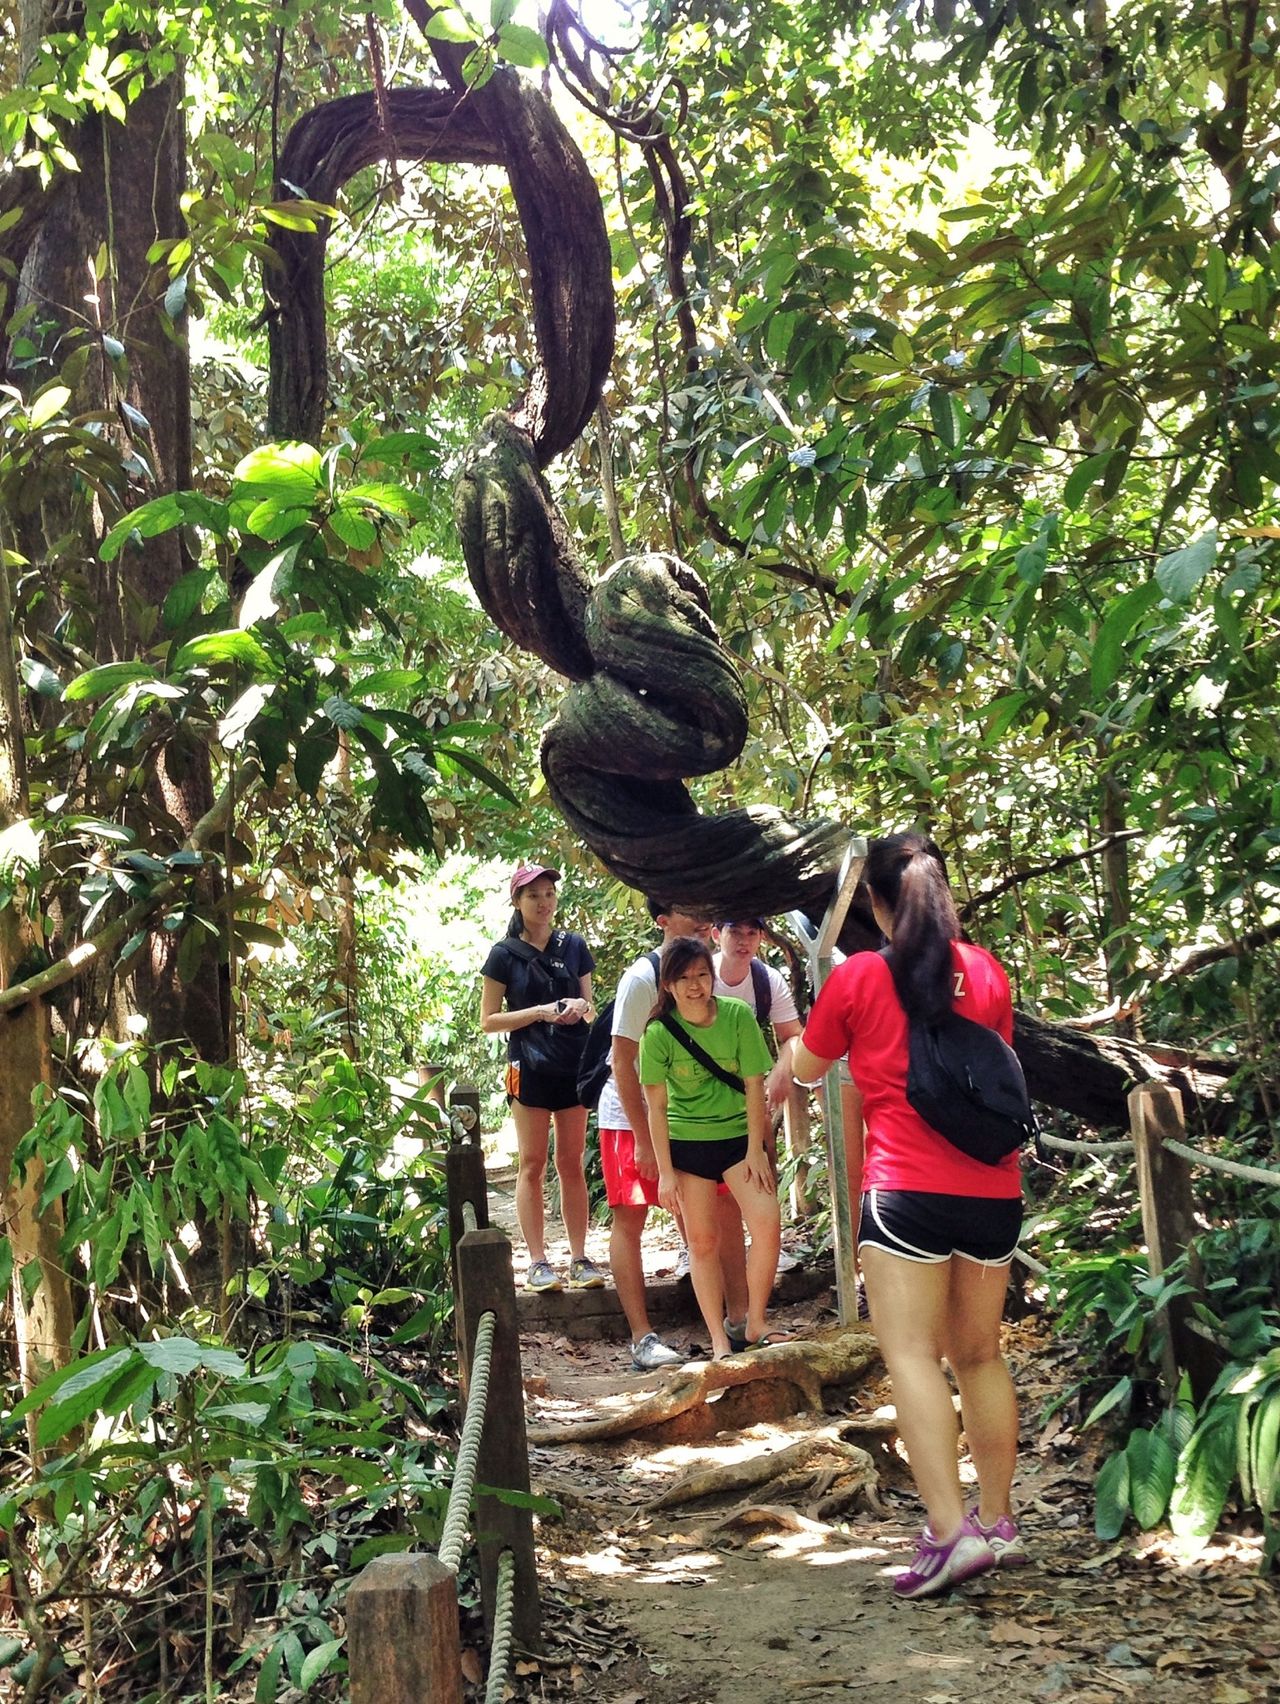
{"x":772,"y":1340}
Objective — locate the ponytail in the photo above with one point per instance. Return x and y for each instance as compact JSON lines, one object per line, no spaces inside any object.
{"x":906,"y":873}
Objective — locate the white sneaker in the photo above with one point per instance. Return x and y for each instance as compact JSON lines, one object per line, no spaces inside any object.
{"x":651,"y":1352}
{"x":682,"y":1264}
{"x":787,"y":1261}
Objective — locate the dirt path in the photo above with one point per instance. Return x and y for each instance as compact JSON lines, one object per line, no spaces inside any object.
{"x":794,"y":1608}
{"x":769,"y":1614}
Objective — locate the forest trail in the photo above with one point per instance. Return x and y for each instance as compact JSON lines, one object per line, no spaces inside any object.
{"x":790,"y":1608}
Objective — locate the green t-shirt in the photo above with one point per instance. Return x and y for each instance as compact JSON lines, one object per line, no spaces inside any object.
{"x":700,"y":1108}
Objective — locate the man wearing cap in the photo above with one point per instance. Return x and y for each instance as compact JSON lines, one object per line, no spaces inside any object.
{"x":626,"y":1152}
{"x":738,"y":943}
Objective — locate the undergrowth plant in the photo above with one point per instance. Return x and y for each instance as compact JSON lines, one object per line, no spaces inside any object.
{"x":1179,"y":1463}
{"x":234,"y":1437}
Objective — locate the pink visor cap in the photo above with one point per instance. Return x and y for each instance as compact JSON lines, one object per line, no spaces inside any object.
{"x":526,"y":873}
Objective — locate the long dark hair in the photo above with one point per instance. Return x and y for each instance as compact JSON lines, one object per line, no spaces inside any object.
{"x":678,"y":957}
{"x":907,"y":874}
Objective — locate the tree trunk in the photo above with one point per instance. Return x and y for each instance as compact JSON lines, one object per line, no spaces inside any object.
{"x":42,"y":1310}
{"x":124,"y":198}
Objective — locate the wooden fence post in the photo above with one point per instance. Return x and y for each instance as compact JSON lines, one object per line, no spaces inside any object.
{"x":486,"y":1285}
{"x":464,"y":1171}
{"x":1169,"y":1226}
{"x":402,"y":1632}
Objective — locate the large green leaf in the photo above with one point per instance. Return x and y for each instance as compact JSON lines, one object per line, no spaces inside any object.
{"x":1152,"y":1465}
{"x":1111,"y":1497}
{"x":98,"y":683}
{"x":1119,"y":1393}
{"x":1206,"y":1471}
{"x":1108,"y":649}
{"x":160,"y":515}
{"x":230,"y":646}
{"x":1181,"y":571}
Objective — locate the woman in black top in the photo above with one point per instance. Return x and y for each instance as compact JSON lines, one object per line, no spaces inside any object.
{"x":541,"y":975}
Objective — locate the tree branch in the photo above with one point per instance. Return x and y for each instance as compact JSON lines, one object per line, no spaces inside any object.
{"x":1020,"y":876}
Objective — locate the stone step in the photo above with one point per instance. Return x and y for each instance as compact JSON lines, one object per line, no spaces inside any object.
{"x":593,"y":1314}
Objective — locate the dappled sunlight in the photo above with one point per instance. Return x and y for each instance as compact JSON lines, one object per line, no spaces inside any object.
{"x":870,"y":1553}
{"x":670,"y":1460}
{"x":682,"y":1568}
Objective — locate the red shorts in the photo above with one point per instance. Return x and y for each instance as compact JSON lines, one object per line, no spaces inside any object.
{"x":624,"y":1187}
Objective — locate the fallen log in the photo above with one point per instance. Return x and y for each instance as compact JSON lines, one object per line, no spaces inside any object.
{"x":695,"y":1401}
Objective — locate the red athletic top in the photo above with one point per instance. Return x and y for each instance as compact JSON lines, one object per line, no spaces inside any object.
{"x":858,"y":1012}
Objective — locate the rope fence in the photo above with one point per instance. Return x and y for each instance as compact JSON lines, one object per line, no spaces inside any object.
{"x":403,"y":1631}
{"x":1193,"y":1156}
{"x":464,"y":1468}
{"x":1163,"y":1162}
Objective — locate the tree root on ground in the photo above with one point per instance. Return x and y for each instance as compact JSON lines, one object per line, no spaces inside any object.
{"x":699,"y":1401}
{"x":819,"y":1471}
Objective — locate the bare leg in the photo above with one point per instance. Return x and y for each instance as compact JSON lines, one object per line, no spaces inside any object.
{"x":702,"y":1225}
{"x":910,"y":1305}
{"x":759,"y":1209}
{"x":571,"y":1135}
{"x":987,"y":1400}
{"x":533,"y":1134}
{"x":627,"y":1265}
{"x":733,"y":1257}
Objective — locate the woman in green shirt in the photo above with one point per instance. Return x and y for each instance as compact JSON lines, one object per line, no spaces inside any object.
{"x":708,"y":1128}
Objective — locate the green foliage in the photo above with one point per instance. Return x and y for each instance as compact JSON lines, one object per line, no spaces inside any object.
{"x":174,"y":1450}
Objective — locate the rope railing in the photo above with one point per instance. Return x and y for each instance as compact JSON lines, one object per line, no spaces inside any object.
{"x":1215,"y":1162}
{"x":464,"y":1468}
{"x":504,"y":1622}
{"x":404,"y":1641}
{"x":1068,"y":1145}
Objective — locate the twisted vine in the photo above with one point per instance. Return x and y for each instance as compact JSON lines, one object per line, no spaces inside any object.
{"x":656,"y":699}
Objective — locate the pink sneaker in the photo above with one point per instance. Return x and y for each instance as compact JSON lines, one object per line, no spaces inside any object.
{"x":938,"y":1567}
{"x":1005,"y":1539}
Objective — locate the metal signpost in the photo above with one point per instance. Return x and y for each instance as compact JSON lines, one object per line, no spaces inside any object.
{"x":819,"y":945}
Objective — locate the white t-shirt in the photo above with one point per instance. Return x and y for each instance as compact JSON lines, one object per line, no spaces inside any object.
{"x":782,"y":1005}
{"x":632,"y":1008}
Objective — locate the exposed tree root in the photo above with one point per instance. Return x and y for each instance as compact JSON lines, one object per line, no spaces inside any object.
{"x":819,"y":1470}
{"x":753,"y":1387}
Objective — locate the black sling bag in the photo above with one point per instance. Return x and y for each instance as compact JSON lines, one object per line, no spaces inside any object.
{"x":729,"y":1078}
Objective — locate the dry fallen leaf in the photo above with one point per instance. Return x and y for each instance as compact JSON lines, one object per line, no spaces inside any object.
{"x":472,"y":1667}
{"x":1014,"y":1633}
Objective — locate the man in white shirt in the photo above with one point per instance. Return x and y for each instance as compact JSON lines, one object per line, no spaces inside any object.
{"x":627,"y":1158}
{"x":738,"y":945}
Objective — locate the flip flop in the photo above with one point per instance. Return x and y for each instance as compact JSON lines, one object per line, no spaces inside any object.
{"x":772,"y":1339}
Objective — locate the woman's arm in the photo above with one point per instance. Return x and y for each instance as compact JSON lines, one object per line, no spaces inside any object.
{"x":759,"y":1171}
{"x":655,"y":1097}
{"x":809,"y":1068}
{"x":494,"y":1021}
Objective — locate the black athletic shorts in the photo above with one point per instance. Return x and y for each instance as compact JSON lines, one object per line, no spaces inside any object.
{"x":708,"y":1159}
{"x":933,"y":1228}
{"x":540,"y":1089}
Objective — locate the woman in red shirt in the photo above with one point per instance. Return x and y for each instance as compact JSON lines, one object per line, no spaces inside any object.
{"x":938,"y":1229}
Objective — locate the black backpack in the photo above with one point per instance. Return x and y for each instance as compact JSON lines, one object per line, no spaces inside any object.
{"x":593,"y":1065}
{"x":551,"y":1048}
{"x":966,"y":1083}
